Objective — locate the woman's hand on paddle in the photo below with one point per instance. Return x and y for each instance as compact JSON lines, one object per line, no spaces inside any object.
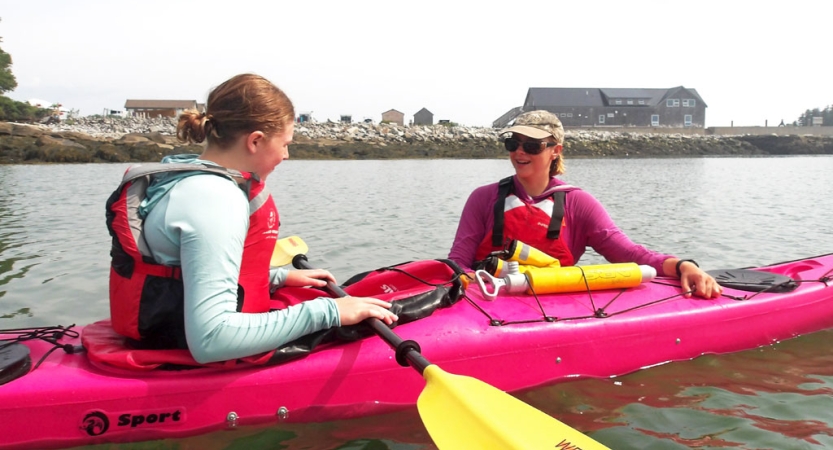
{"x":356,"y":309}
{"x":309,"y":277}
{"x":695,"y":280}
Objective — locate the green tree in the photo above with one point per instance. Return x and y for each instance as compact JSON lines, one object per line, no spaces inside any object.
{"x":7,"y":80}
{"x":11,"y":110}
{"x":826,"y":114}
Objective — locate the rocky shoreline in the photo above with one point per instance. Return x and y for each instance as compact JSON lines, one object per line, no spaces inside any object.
{"x":105,"y":139}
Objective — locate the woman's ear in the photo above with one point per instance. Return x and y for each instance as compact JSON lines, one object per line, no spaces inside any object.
{"x":253,"y":140}
{"x":557,"y":152}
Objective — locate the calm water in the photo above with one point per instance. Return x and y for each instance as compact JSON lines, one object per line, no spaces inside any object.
{"x":360,"y":215}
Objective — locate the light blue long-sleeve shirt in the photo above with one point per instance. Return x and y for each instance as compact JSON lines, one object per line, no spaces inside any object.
{"x":200,"y":222}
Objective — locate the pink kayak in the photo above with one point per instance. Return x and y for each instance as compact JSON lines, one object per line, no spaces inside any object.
{"x":514,"y":342}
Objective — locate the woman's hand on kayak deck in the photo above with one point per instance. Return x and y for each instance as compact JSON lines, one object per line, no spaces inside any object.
{"x":356,"y":309}
{"x":309,"y":277}
{"x":692,"y":277}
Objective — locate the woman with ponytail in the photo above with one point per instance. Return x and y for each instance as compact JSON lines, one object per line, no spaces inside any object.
{"x":208,"y":228}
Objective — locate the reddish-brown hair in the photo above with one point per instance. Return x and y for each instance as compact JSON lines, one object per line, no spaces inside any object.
{"x":241,"y":105}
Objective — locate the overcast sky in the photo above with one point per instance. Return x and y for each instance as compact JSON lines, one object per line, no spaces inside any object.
{"x":468,"y":62}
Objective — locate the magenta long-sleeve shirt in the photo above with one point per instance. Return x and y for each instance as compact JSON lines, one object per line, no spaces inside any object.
{"x":587,"y":225}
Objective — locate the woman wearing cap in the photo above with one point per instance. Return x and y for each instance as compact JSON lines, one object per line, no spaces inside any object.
{"x":537,"y":208}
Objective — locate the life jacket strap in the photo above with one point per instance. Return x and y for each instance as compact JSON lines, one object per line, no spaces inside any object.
{"x":504,"y":189}
{"x":159,"y":270}
{"x":554,"y":228}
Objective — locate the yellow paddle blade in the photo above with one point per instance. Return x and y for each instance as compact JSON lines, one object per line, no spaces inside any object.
{"x":463,"y":412}
{"x":286,"y":249}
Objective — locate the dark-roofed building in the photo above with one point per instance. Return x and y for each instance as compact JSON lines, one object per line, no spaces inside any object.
{"x":163,"y":108}
{"x":423,"y":117}
{"x":676,"y":107}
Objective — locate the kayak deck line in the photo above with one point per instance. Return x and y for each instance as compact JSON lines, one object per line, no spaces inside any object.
{"x":764,"y":284}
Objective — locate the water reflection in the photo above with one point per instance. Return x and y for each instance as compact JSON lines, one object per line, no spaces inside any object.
{"x":53,"y":242}
{"x":14,"y":214}
{"x":776,"y":397}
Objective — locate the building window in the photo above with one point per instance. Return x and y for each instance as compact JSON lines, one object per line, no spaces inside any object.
{"x":563,"y":114}
{"x":630,"y":102}
{"x":618,"y":101}
{"x":689,"y":102}
{"x":642,"y":102}
{"x":569,"y":114}
{"x":687,"y":120}
{"x":609,"y":114}
{"x":654,"y":120}
{"x":601,"y":118}
{"x":672,"y":102}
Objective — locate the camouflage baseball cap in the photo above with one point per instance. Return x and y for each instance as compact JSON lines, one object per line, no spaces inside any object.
{"x":537,"y":125}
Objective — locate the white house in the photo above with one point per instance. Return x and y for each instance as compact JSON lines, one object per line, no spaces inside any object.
{"x":58,"y":110}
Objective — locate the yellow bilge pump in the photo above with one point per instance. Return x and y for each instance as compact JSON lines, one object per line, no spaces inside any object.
{"x":529,"y":270}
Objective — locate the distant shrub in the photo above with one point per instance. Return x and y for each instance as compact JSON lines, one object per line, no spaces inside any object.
{"x":14,"y":111}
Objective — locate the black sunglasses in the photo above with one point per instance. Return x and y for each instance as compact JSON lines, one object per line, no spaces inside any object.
{"x":531,"y":147}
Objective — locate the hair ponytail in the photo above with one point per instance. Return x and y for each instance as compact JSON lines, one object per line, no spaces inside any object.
{"x":241,"y":105}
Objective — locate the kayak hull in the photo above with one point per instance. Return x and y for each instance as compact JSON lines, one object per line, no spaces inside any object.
{"x":508,"y":343}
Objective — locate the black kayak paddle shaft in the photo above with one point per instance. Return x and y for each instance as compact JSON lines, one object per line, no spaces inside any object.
{"x":407,"y":352}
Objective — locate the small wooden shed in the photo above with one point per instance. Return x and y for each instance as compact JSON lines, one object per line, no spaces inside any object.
{"x":423,"y":117}
{"x":393,"y":116}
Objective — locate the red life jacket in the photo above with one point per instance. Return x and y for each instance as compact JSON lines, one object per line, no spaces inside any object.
{"x":146,"y":298}
{"x":415,"y":289}
{"x":536,"y":224}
